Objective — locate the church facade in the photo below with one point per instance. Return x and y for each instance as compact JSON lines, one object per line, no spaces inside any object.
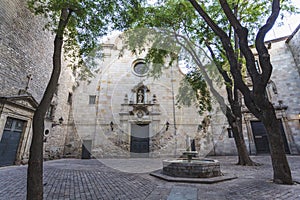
{"x":122,"y":112}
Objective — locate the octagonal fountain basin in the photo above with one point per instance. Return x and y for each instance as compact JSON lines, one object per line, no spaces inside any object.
{"x":196,"y":168}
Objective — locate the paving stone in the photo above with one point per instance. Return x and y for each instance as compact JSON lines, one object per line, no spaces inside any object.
{"x":91,"y":179}
{"x":183,"y":193}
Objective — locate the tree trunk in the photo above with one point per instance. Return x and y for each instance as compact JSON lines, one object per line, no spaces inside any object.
{"x":254,"y":98}
{"x":233,"y":114}
{"x":35,"y":163}
{"x":236,"y":125}
{"x":281,"y":169}
{"x":243,"y":155}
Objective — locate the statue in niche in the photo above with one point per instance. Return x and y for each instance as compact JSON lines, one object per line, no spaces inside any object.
{"x":140,"y":96}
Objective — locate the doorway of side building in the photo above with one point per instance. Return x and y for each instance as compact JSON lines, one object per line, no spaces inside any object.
{"x":139,"y":141}
{"x":261,"y":139}
{"x":86,"y":149}
{"x":10,"y":140}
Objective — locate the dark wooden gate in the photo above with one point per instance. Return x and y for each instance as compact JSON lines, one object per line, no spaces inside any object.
{"x":261,"y":139}
{"x":139,"y":144}
{"x":10,"y":140}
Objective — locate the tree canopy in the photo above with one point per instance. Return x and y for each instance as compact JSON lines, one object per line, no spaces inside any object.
{"x":227,"y":29}
{"x":168,"y":18}
{"x":77,"y":27}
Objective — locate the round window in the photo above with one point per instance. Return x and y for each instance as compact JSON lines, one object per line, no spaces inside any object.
{"x":140,"y":68}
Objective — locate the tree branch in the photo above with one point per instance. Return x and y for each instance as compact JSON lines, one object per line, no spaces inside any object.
{"x":227,"y":79}
{"x":225,"y":109}
{"x":264,"y":57}
{"x":230,"y":54}
{"x":242,"y":34}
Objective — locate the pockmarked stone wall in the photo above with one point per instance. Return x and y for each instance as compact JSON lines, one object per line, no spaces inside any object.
{"x":285,"y":78}
{"x":62,"y":140}
{"x":106,"y":110}
{"x":25,"y":63}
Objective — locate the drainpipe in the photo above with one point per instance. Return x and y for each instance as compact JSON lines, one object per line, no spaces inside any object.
{"x":174,"y":114}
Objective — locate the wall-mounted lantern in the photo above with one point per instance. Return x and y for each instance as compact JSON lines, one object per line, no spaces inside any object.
{"x":280,"y":102}
{"x":111,"y":126}
{"x":167,"y":125}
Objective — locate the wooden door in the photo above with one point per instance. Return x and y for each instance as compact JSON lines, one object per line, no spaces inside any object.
{"x":261,"y":139}
{"x":10,"y":140}
{"x":139,"y":143}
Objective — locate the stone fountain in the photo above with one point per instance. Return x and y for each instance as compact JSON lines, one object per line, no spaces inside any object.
{"x":190,"y":167}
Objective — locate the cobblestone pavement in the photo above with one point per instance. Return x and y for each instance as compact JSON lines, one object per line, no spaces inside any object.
{"x":129,"y":179}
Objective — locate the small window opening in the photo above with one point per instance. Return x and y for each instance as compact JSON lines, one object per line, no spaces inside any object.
{"x":230,"y":133}
{"x":92,"y":99}
{"x":50,"y":112}
{"x":70,"y":98}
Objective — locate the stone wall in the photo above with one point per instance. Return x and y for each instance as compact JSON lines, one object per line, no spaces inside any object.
{"x":293,"y":43}
{"x":113,"y":86}
{"x":62,"y":139}
{"x":287,"y":80}
{"x":292,"y":86}
{"x":24,"y":49}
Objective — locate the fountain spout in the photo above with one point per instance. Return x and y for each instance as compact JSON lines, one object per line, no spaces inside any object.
{"x":188,"y":143}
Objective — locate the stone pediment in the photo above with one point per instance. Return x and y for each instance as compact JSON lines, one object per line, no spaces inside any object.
{"x":140,"y":85}
{"x":22,"y":101}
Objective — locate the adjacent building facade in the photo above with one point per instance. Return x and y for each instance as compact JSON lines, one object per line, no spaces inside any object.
{"x":283,"y":91}
{"x":25,"y":67}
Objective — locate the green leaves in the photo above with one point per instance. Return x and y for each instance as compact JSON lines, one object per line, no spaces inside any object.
{"x":193,"y":91}
{"x":90,"y":20}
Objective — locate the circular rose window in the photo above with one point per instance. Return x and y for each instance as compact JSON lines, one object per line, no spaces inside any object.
{"x":140,"y":68}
